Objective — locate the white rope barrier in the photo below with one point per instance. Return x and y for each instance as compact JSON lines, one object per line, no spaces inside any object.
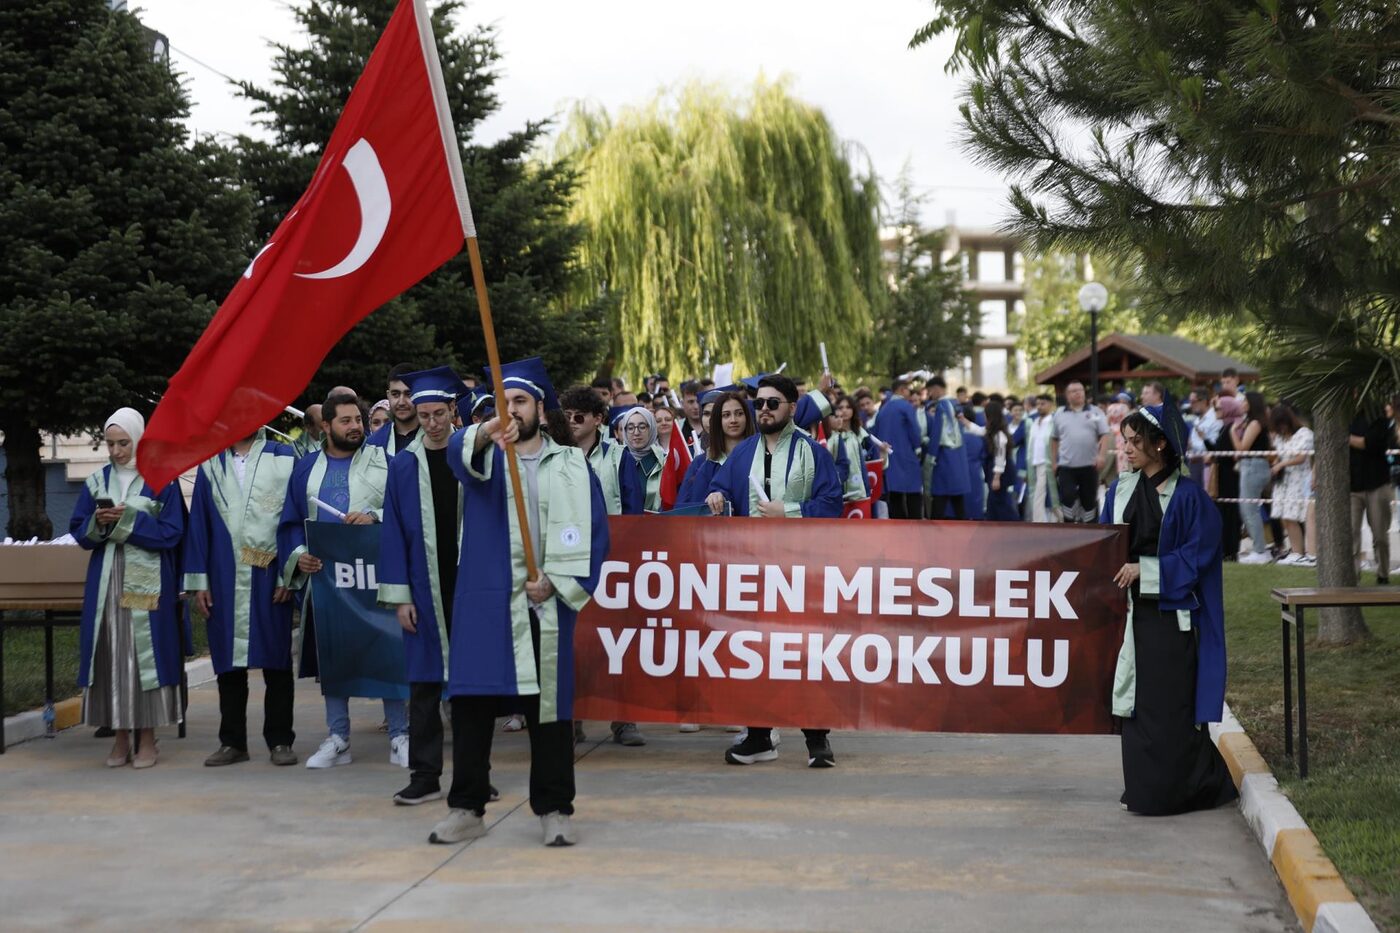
{"x":1209,"y":454}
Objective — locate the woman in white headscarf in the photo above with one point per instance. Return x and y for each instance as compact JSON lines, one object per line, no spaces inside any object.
{"x":640,"y":435}
{"x":130,"y":649}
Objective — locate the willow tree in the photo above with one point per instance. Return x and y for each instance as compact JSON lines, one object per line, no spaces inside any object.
{"x":728,"y":230}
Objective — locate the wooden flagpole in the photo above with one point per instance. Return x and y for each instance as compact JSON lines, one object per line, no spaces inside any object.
{"x":498,"y":382}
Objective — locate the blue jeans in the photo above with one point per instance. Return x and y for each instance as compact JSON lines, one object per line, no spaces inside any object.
{"x":1254,"y":476}
{"x":338,"y":717}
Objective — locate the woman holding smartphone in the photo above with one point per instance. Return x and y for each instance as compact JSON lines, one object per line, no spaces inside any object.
{"x":130,"y":645}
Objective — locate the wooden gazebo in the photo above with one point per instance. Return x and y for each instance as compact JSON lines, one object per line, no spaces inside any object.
{"x":1145,"y":356}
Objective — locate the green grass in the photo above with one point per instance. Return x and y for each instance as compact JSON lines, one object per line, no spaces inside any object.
{"x":1351,"y":798}
{"x":24,"y":665}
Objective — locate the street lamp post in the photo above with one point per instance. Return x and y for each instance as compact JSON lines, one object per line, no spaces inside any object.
{"x":1093,"y":298}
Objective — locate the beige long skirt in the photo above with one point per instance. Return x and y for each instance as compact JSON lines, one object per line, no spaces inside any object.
{"x":115,"y":698}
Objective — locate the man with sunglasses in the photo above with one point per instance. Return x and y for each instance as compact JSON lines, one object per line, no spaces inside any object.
{"x":586,"y":412}
{"x":797,"y":478}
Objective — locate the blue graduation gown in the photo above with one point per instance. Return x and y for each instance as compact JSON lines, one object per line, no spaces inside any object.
{"x":490,"y":621}
{"x":949,"y":475}
{"x":169,"y":633}
{"x":383,"y":438}
{"x":1018,"y":442}
{"x":209,"y":553}
{"x":367,"y":474}
{"x":975,"y":501}
{"x":407,"y":573}
{"x":695,"y":485}
{"x":1189,"y":550}
{"x":899,"y":427}
{"x":732,"y":478}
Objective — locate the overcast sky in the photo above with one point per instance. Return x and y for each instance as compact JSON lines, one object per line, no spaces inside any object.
{"x":849,"y":59}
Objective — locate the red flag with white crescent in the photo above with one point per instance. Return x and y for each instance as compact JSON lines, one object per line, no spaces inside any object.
{"x":387,"y":206}
{"x":678,"y":458}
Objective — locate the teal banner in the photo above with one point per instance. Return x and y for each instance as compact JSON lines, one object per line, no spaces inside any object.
{"x":359,"y":646}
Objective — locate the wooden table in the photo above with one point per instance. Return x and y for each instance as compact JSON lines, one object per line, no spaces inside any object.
{"x":1293,"y":601}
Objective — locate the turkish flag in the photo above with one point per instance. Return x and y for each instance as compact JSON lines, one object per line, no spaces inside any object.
{"x":857,"y":509}
{"x":387,"y":206}
{"x":678,"y":459}
{"x":875,"y":474}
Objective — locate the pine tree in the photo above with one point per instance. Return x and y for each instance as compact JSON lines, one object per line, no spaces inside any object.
{"x":929,"y":320}
{"x":730,"y":231}
{"x":1244,"y":154}
{"x":529,"y":247}
{"x":117,"y":235}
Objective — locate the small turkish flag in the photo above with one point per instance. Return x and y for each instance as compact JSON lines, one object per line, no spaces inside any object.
{"x":678,"y":459}
{"x":875,"y":477}
{"x":387,"y":206}
{"x":857,"y":509}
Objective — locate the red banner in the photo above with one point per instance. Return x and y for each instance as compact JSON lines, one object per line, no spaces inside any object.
{"x":825,"y":623}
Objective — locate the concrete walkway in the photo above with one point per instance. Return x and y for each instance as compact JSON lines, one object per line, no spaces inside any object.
{"x":909,"y":832}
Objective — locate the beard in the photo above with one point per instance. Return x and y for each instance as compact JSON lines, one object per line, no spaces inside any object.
{"x":349,"y":442}
{"x":772,"y":427}
{"x":528,"y":428}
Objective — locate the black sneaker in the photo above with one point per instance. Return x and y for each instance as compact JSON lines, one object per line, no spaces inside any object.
{"x":819,"y":754}
{"x":415,"y":793}
{"x":751,"y":751}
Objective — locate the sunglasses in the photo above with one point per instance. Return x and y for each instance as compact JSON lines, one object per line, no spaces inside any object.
{"x":577,"y":417}
{"x":770,"y":403}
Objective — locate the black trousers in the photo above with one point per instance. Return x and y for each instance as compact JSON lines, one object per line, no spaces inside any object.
{"x":938,"y":507}
{"x":551,"y":751}
{"x":1079,"y":485}
{"x":277,"y":708}
{"x":906,"y":504}
{"x":766,"y":732}
{"x":425,"y":733}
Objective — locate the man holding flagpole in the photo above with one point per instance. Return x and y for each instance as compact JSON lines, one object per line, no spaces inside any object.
{"x":513,"y":633}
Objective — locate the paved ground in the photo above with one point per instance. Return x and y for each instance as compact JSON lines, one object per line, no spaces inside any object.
{"x":908,"y":833}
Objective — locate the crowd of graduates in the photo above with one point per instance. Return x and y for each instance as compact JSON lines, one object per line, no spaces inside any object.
{"x":427,"y":463}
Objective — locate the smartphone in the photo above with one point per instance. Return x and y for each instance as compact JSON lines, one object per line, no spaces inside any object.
{"x":106,"y":504}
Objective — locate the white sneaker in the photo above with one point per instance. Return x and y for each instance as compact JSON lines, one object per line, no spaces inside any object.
{"x":558,"y":830}
{"x":333,"y":751}
{"x":514,"y":723}
{"x":1309,"y":560}
{"x":1256,"y":558}
{"x":688,"y":727}
{"x":398,"y":751}
{"x":1292,"y":560}
{"x":1367,"y":566}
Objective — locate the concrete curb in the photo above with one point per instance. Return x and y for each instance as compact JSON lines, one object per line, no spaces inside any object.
{"x":21,"y":727}
{"x":1317,"y":892}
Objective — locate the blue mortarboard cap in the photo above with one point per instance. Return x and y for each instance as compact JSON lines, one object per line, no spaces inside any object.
{"x":752,"y":381}
{"x":1167,"y":416}
{"x":714,"y":394}
{"x":529,"y":375}
{"x":433,"y":385}
{"x":617,"y":411}
{"x":482,"y":400}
